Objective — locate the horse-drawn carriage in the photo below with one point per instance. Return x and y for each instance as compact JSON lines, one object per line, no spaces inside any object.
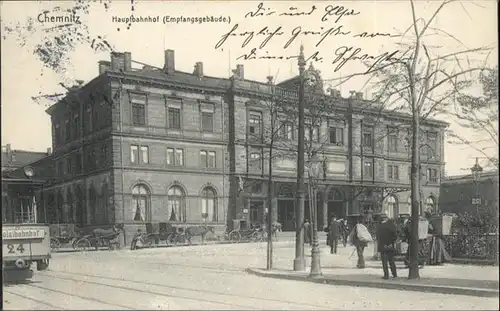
{"x":63,"y":234}
{"x":254,"y":234}
{"x":169,"y":234}
{"x":99,"y":238}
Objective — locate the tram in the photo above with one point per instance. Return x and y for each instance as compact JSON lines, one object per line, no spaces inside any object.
{"x":25,"y":241}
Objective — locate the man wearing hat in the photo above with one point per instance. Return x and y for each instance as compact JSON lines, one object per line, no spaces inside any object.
{"x":386,"y":238}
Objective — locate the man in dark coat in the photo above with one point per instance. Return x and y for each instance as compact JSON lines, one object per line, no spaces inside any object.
{"x":386,"y":238}
{"x":333,"y":235}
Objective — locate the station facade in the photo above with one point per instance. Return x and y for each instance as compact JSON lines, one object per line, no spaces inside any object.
{"x":152,"y":145}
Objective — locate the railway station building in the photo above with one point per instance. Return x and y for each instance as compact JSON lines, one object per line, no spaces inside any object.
{"x":151,"y":145}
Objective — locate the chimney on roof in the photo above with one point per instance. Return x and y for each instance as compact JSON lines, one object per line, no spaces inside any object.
{"x":335,"y":93}
{"x":117,"y":61}
{"x":49,"y":151}
{"x":8,"y":149}
{"x":359,"y":95}
{"x":353,"y":94}
{"x":198,"y":69}
{"x":241,"y":71}
{"x":270,"y":80}
{"x":169,"y":66}
{"x":127,"y":61}
{"x":104,"y":66}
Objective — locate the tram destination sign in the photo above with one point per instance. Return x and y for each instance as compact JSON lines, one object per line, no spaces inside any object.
{"x":24,"y":233}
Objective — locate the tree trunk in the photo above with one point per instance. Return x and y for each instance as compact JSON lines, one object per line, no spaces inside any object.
{"x":270,"y":194}
{"x":413,"y":272}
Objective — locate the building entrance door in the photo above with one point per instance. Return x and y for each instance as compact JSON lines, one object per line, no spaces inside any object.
{"x":256,"y":213}
{"x":335,"y":208}
{"x":286,"y":214}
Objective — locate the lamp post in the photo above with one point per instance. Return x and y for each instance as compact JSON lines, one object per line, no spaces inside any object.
{"x":314,"y":170}
{"x":299,"y":261}
{"x":476,"y":175}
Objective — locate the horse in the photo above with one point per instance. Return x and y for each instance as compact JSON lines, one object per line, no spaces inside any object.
{"x":99,"y":232}
{"x":198,"y":231}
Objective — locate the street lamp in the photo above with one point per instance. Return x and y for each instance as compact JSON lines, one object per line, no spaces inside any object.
{"x":314,"y":170}
{"x":476,"y":175}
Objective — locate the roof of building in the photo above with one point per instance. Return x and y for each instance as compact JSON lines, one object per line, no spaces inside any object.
{"x":192,"y":80}
{"x":493,"y":174}
{"x":18,"y":158}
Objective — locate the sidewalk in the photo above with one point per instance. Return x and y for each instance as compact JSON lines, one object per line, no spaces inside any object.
{"x":341,"y":270}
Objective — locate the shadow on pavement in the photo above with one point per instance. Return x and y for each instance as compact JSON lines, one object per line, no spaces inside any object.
{"x":8,"y":283}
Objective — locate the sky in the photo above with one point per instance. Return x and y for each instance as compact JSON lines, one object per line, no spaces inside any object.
{"x":26,"y":126}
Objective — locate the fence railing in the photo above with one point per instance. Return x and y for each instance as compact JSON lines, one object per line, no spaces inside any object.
{"x":472,"y":246}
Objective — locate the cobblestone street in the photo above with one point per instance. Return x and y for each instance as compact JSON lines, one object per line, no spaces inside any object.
{"x":211,"y":277}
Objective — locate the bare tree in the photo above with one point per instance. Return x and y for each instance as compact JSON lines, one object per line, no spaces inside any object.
{"x":479,"y":114}
{"x":424,"y":84}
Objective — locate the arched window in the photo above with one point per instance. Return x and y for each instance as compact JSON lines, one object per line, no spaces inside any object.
{"x":176,"y":204}
{"x":70,"y":202}
{"x":391,"y":207}
{"x":104,"y":203}
{"x":81,"y":215}
{"x":334,"y":195}
{"x":209,"y":204}
{"x":60,"y":209}
{"x":92,"y":205}
{"x":286,"y":191}
{"x":430,"y":205}
{"x":140,"y":202}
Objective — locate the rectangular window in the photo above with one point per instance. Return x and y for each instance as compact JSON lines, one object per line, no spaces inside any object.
{"x":368,"y":137}
{"x":170,"y":156}
{"x":287,"y":131}
{"x":174,"y":118}
{"x":432,"y":175}
{"x":203,"y":158}
{"x":76,"y":126}
{"x":91,"y":161}
{"x":89,"y":122}
{"x":144,"y":155}
{"x":311,"y":133}
{"x":431,"y":145}
{"x":207,"y":121}
{"x":336,"y":136}
{"x":207,"y":159}
{"x":368,"y":169}
{"x":255,"y":161}
{"x":96,"y":122}
{"x":255,"y":124}
{"x":207,"y":116}
{"x":179,"y":157}
{"x":138,"y":114}
{"x":69,"y":165}
{"x":60,"y":168}
{"x":393,"y":172}
{"x":175,"y":157}
{"x":104,"y":154}
{"x":134,"y":154}
{"x":57,"y":134}
{"x":211,"y":159}
{"x":78,"y":163}
{"x":67,"y":130}
{"x":392,"y":139}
